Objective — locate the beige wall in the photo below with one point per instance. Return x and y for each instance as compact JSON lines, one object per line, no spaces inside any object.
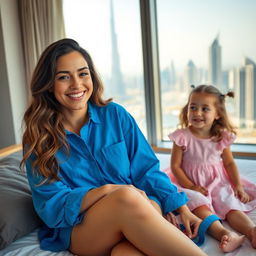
{"x":13,"y":92}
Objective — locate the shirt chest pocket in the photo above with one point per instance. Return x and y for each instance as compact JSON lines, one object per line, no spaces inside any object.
{"x":116,"y":163}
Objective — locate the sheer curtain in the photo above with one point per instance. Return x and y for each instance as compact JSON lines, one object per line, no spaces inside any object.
{"x":42,"y":23}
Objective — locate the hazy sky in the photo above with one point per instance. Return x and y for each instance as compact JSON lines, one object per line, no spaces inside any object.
{"x":186,"y":30}
{"x":188,"y":27}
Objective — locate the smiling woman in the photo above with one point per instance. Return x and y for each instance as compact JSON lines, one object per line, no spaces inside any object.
{"x":83,"y":157}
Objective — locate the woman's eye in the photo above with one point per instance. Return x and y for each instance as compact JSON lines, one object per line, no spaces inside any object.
{"x":63,"y":78}
{"x":83,"y":74}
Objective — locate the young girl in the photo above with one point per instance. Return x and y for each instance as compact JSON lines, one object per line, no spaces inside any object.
{"x":95,"y":180}
{"x":202,"y":166}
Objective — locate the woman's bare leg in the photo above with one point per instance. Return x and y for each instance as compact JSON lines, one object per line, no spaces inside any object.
{"x":125,"y":213}
{"x":229,"y":240}
{"x":125,"y":247}
{"x":242,"y":223}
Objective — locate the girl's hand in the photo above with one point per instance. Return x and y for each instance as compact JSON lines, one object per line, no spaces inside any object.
{"x":190,"y":221}
{"x":200,"y":189}
{"x":241,"y":194}
{"x":172,"y":219}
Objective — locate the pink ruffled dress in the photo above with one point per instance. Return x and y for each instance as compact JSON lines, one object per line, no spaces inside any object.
{"x":203,"y":165}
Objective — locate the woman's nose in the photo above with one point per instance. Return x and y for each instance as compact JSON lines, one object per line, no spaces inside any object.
{"x":75,"y":82}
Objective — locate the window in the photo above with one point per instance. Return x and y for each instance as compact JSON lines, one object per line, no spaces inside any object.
{"x":110,"y":31}
{"x":210,"y":42}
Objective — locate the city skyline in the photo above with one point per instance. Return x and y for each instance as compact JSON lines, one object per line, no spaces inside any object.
{"x":241,"y":80}
{"x":240,"y":77}
{"x":185,"y":29}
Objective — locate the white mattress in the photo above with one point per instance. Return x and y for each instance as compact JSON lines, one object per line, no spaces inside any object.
{"x":29,"y":246}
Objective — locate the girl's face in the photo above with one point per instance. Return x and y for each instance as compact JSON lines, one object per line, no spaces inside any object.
{"x":73,"y":84}
{"x":202,"y":111}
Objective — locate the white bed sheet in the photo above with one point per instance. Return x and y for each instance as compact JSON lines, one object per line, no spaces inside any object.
{"x":29,"y":246}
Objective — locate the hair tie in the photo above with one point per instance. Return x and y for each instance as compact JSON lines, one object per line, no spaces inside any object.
{"x":192,"y":86}
{"x":230,"y":94}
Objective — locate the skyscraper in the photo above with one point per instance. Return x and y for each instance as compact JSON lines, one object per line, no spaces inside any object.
{"x":215,"y":69}
{"x":250,"y":92}
{"x":172,"y":75}
{"x":241,"y":96}
{"x":191,"y":76}
{"x":117,"y":84}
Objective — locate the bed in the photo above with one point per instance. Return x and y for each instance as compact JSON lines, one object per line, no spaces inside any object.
{"x":19,"y":223}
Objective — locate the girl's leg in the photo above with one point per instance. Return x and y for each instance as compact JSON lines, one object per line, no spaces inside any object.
{"x":239,"y":221}
{"x":229,"y":240}
{"x":125,"y":213}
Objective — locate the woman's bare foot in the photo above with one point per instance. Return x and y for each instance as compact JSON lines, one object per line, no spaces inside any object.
{"x":253,"y":237}
{"x":231,"y":241}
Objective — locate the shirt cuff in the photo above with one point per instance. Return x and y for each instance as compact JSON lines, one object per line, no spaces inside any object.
{"x":174,"y":201}
{"x":73,"y":205}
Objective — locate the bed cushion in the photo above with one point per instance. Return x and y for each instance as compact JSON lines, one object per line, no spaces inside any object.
{"x":17,"y":214}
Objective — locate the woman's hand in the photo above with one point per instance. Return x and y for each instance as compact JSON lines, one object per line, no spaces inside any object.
{"x":241,"y":194}
{"x":172,"y":219}
{"x":190,"y":221}
{"x":200,"y":189}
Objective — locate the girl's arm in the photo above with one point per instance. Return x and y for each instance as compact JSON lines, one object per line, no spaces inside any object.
{"x":176,"y":159}
{"x":179,"y":173}
{"x":233,"y":174}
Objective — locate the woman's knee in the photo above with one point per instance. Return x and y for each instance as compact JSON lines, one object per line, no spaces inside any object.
{"x":129,"y":198}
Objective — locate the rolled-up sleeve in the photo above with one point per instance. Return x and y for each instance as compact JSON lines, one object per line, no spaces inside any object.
{"x":145,"y":170}
{"x":57,"y":204}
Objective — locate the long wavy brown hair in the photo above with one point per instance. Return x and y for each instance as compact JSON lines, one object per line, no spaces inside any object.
{"x":219,"y":125}
{"x":44,"y":133}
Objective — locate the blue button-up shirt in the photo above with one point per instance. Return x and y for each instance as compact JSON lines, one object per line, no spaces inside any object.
{"x":111,"y":149}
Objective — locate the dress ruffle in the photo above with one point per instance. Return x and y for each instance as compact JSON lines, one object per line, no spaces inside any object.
{"x":179,"y":139}
{"x":227,"y":140}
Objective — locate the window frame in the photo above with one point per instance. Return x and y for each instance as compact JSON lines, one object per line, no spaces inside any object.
{"x":148,"y":12}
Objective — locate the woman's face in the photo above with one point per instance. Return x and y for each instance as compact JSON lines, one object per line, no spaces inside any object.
{"x":73,"y":85}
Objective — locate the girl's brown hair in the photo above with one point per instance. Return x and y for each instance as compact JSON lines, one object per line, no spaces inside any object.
{"x":223,"y":123}
{"x":44,"y":133}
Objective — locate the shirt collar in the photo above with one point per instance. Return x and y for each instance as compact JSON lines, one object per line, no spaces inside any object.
{"x":93,"y":113}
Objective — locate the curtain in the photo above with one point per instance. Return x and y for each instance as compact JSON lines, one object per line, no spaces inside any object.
{"x":42,"y":23}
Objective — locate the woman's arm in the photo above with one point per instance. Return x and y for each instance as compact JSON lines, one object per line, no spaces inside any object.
{"x":179,"y":173}
{"x":233,"y":174}
{"x":144,"y":171}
